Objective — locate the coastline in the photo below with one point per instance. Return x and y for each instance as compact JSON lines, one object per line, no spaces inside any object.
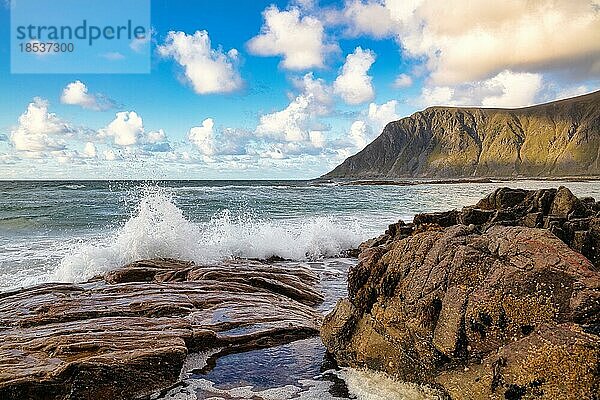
{"x":120,"y":306}
{"x":449,"y":181}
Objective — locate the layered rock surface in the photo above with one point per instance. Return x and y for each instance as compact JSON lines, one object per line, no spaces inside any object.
{"x":560,"y":138}
{"x":126,"y":335}
{"x":483,"y":302}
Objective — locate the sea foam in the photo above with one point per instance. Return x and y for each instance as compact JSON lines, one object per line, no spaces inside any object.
{"x":158,"y":228}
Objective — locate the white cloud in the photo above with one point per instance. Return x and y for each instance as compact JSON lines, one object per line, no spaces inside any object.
{"x":299,"y":40}
{"x":208,"y":70}
{"x":572,"y":91}
{"x":518,"y":89}
{"x":353,"y":84}
{"x":359,"y":134}
{"x":473,"y":40}
{"x":156,"y":136}
{"x":375,"y":118}
{"x":370,"y":18}
{"x":127,"y":129}
{"x":76,"y":93}
{"x":273,"y":152}
{"x":402,"y":81}
{"x":305,"y":4}
{"x":113,"y":56}
{"x":381,"y":115}
{"x":203,"y":137}
{"x":317,"y":139}
{"x":295,"y":122}
{"x":39,"y":131}
{"x":110,"y":155}
{"x":437,"y":96}
{"x":506,"y":89}
{"x":89,"y":150}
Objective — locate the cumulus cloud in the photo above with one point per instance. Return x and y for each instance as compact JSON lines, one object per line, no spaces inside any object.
{"x":381,"y":115}
{"x":208,"y":70}
{"x":353,"y":85}
{"x":203,"y":137}
{"x":295,"y":122}
{"x":473,"y":40}
{"x":300,"y":40}
{"x":156,"y":136}
{"x":126,"y":129}
{"x":371,"y":18}
{"x":402,"y":81}
{"x":506,"y":89}
{"x":375,"y":118}
{"x":359,"y":134}
{"x":110,"y":155}
{"x":89,"y":150}
{"x":40,"y":131}
{"x":76,"y":93}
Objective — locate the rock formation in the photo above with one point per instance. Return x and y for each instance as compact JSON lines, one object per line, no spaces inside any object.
{"x":561,"y":138}
{"x":483,"y":303}
{"x":126,"y":335}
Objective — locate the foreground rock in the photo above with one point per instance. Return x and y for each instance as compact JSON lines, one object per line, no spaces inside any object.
{"x":127,"y":335}
{"x":478,"y":308}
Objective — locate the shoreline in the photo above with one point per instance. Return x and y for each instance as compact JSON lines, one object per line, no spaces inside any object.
{"x":164,"y":310}
{"x":449,"y":181}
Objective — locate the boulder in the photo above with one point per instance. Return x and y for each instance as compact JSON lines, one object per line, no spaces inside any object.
{"x":493,"y":314}
{"x":126,"y":335}
{"x":576,"y":222}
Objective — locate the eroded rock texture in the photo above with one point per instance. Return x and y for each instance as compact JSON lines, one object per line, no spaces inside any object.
{"x":479,"y":303}
{"x":126,"y":335}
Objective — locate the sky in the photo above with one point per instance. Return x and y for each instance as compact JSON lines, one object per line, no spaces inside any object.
{"x":289,"y":89}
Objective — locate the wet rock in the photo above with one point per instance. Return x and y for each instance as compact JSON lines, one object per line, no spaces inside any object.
{"x":494,"y":314}
{"x":557,"y":210}
{"x":552,"y":363}
{"x":476,"y":216}
{"x":126,"y":336}
{"x":446,"y":218}
{"x":565,"y":204}
{"x":502,"y":198}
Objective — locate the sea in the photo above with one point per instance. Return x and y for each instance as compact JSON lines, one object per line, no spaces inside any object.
{"x":70,"y":231}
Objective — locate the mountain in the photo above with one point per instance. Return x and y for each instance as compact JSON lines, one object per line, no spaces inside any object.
{"x":560,"y":138}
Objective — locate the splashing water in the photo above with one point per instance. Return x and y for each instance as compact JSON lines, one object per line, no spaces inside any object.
{"x":158,"y":228}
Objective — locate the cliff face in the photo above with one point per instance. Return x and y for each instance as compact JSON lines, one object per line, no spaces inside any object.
{"x":561,"y":138}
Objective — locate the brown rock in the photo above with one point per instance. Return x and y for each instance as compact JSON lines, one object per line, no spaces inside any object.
{"x":126,"y":336}
{"x":557,"y":210}
{"x":566,"y":204}
{"x":430,"y":308}
{"x":552,"y":363}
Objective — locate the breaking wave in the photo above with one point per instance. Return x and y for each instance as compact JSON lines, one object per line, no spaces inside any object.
{"x":158,"y":228}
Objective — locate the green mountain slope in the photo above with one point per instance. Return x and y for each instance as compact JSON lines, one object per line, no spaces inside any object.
{"x":561,"y":138}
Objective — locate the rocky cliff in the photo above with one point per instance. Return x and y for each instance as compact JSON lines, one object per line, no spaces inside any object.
{"x":561,"y":138}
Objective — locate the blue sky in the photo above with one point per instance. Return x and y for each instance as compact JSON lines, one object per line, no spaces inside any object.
{"x":307,"y":84}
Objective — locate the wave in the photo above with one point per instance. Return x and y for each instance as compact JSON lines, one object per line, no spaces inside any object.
{"x":71,"y":186}
{"x":158,"y":228}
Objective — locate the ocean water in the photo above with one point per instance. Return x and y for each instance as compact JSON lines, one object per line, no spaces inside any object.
{"x":72,"y":231}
